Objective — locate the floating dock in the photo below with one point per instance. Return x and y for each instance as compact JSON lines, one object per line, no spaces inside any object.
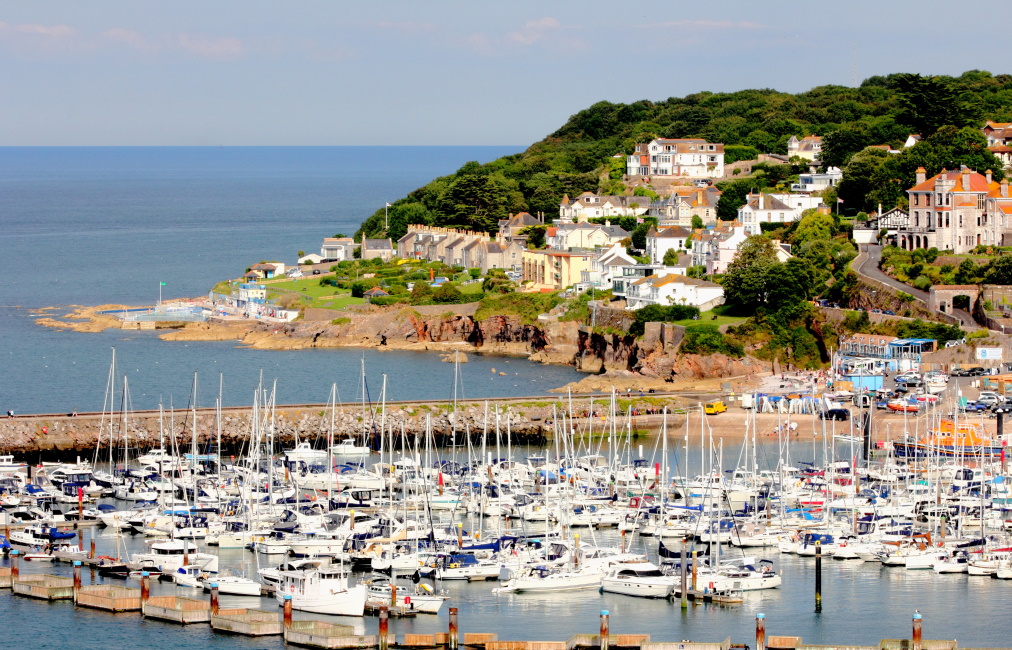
{"x":247,"y":622}
{"x":320,"y":634}
{"x":110,"y":598}
{"x":45,"y":587}
{"x":177,"y":610}
{"x":5,"y":577}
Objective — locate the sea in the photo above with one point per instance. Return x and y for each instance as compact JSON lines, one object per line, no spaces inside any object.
{"x":89,"y":226}
{"x":101,"y":225}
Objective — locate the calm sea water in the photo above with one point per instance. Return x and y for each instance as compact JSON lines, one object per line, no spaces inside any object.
{"x":91,"y":226}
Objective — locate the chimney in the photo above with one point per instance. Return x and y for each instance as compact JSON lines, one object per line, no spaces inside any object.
{"x":987,"y":175}
{"x":966,"y":178}
{"x":1004,"y":189}
{"x":922,"y":175}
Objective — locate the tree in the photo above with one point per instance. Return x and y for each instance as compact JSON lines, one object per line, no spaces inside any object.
{"x":535,"y":236}
{"x":838,"y":146}
{"x":697,"y":222}
{"x":812,"y":226}
{"x":750,"y":276}
{"x":670,"y":257}
{"x":420,"y":292}
{"x":999,"y":271}
{"x":447,"y":294}
{"x":929,"y":103}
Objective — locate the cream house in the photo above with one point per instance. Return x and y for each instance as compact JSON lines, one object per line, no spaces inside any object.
{"x":674,"y":290}
{"x":688,"y":157}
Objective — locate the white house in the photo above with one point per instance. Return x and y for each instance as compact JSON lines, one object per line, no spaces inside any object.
{"x":589,"y":205}
{"x":661,"y":241}
{"x":817,"y":182}
{"x":568,"y":236}
{"x":605,"y":266}
{"x":338,"y":249}
{"x":808,"y":147}
{"x":688,"y":157}
{"x":674,"y":290}
{"x":774,"y":208}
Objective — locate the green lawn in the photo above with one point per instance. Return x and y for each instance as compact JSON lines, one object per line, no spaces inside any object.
{"x":707,"y":317}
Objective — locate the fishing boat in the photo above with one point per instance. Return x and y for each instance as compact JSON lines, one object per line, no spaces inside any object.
{"x":323,"y":590}
{"x":903,"y":405}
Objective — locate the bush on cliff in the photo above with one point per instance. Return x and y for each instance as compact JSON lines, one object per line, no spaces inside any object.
{"x":705,"y":338}
{"x":661,"y":314}
{"x":525,"y":306}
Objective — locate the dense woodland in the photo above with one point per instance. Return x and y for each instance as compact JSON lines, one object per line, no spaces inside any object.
{"x":581,"y":155}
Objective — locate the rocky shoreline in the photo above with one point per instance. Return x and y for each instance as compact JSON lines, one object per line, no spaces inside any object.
{"x":610,"y":360}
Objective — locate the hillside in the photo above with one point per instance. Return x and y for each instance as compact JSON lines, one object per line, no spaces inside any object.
{"x":579,"y":156}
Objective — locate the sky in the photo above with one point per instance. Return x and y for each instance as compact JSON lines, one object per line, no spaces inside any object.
{"x":331,"y":72}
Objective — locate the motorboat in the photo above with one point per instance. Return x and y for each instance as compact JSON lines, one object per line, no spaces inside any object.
{"x":167,"y":556}
{"x":322,"y":590}
{"x":644,"y":580}
{"x":349,"y":447}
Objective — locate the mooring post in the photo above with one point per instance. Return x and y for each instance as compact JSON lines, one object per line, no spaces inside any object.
{"x":760,"y":631}
{"x":91,"y":550}
{"x":453,"y":645}
{"x":605,"y":631}
{"x":214,"y":599}
{"x":915,"y":642}
{"x":77,"y":579}
{"x":287,"y":620}
{"x":694,"y":575}
{"x":384,"y":628}
{"x":818,"y":577}
{"x":15,"y":566}
{"x":393,"y":595}
{"x":683,"y":569}
{"x":622,"y":548}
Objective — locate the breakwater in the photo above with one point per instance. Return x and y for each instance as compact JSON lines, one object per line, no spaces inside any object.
{"x":527,"y":421}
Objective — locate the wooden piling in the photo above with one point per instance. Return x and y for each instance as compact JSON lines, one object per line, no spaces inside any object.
{"x":145,"y":586}
{"x":452,"y":642}
{"x":605,"y":631}
{"x":384,"y":629}
{"x":77,"y":579}
{"x":818,"y":577}
{"x":214,"y":598}
{"x":287,"y":612}
{"x":682,"y":568}
{"x":15,"y":567}
{"x":760,"y":631}
{"x":694,"y":574}
{"x":915,"y":639}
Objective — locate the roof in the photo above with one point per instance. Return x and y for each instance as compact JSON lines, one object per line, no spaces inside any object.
{"x":674,"y":278}
{"x":521,"y":220}
{"x":870,"y":339}
{"x":375,"y":291}
{"x":264,"y":267}
{"x":977,"y":182}
{"x":377,"y":244}
{"x":674,"y":232}
{"x":766,"y":202}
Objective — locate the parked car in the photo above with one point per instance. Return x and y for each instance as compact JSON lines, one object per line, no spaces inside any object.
{"x":889,"y":312}
{"x":957,"y":372}
{"x":910,"y":380}
{"x":975,"y":371}
{"x":835,"y":414}
{"x":316,"y":271}
{"x":713,"y":408}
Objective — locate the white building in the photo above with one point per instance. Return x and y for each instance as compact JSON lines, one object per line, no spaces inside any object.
{"x":688,"y":157}
{"x":338,"y":249}
{"x":589,"y":205}
{"x":774,"y":208}
{"x":817,"y":182}
{"x":659,"y":242}
{"x":674,"y":290}
{"x":604,"y":267}
{"x":568,"y":236}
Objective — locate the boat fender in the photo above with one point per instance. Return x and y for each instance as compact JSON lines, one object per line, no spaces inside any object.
{"x":455,"y":565}
{"x":711,"y":586}
{"x":426,"y":588}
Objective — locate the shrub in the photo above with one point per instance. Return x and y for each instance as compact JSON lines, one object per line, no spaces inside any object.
{"x":474,"y":273}
{"x":447,"y":294}
{"x":660,"y":314}
{"x":340,"y":321}
{"x":705,"y":338}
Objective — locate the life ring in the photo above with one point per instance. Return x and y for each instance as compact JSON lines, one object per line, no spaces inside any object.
{"x":291,"y":589}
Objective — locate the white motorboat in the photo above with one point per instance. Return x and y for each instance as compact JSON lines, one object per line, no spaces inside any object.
{"x":323,"y":590}
{"x":542,"y":578}
{"x":166,"y":556}
{"x":233,"y":585}
{"x":644,"y":580}
{"x":191,"y":576}
{"x":421,"y":598}
{"x":348,"y":447}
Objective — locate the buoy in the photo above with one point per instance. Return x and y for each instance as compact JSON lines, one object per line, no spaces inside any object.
{"x":45,"y":430}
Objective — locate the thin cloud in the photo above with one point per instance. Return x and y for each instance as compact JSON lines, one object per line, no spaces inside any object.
{"x":710,"y":24}
{"x":545,"y":32}
{"x":130,"y":38}
{"x":34,"y":29}
{"x":219,"y":48}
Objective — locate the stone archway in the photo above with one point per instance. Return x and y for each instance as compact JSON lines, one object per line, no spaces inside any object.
{"x":941,"y":295}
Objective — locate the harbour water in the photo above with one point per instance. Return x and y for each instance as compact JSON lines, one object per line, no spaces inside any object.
{"x":863,"y":602}
{"x":91,"y":225}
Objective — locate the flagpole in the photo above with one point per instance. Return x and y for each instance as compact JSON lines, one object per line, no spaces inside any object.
{"x":159,"y":294}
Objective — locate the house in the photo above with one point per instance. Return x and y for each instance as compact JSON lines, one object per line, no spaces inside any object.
{"x":269,"y":270}
{"x":911,"y":140}
{"x":584,"y":235}
{"x":378,"y":248}
{"x":509,"y":229}
{"x":774,"y":208}
{"x":723,"y":249}
{"x":606,"y":264}
{"x":684,"y":203}
{"x":251,"y":292}
{"x":374,"y":292}
{"x":687,"y":157}
{"x":674,"y":290}
{"x":817,"y":182}
{"x":589,"y":205}
{"x":311,"y":258}
{"x":659,"y":242}
{"x":625,"y":276}
{"x":808,"y":147}
{"x":337,"y":249}
{"x":549,"y":270}
{"x":955,"y":211}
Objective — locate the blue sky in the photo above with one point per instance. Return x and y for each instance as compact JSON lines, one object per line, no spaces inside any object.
{"x":330,"y":72}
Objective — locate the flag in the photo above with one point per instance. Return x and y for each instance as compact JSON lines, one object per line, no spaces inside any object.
{"x":389,"y":205}
{"x":161,"y":284}
{"x":839,"y":200}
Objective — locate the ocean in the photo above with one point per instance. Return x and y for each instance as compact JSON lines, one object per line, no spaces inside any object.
{"x":98,"y":225}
